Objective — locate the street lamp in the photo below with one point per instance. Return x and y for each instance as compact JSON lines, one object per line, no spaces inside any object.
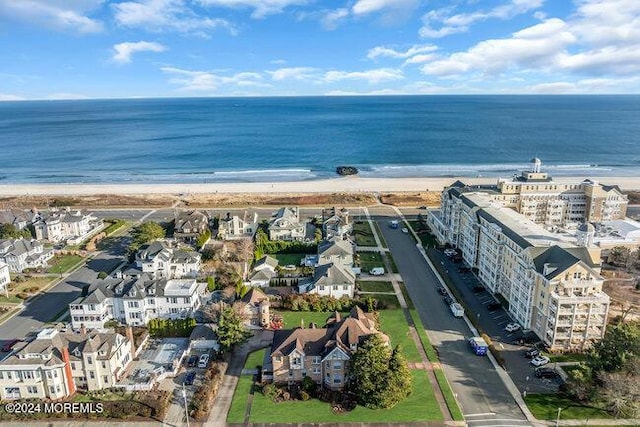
{"x":186,"y":411}
{"x":558,"y":417}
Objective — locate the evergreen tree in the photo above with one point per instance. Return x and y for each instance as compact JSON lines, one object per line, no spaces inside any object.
{"x":231,"y":329}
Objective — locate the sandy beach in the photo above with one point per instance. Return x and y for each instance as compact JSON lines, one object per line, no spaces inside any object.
{"x":337,"y":185}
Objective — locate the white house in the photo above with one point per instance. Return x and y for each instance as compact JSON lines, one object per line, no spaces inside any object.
{"x":135,"y":301}
{"x":160,"y":260}
{"x":189,"y":225}
{"x":58,"y":226}
{"x":22,"y":253}
{"x":57,"y":363}
{"x":334,"y":280}
{"x":335,"y":223}
{"x":336,"y":251}
{"x":5,"y":279}
{"x":285,"y":225}
{"x":234,"y":227}
{"x":19,"y":218}
{"x":263,"y":271}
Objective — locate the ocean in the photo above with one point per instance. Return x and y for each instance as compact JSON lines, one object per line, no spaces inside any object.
{"x":200,"y":140}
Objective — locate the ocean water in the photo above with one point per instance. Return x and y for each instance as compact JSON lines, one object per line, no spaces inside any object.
{"x":280,"y":139}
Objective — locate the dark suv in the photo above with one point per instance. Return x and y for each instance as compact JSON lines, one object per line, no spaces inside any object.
{"x":547,"y":373}
{"x":494,"y":306}
{"x":532,"y":352}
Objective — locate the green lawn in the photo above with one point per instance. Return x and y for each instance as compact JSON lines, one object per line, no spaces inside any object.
{"x":239,"y":402}
{"x":394,"y":267}
{"x":407,"y":298}
{"x":369,"y":260}
{"x":394,"y":324}
{"x":389,"y":302}
{"x":63,"y":263}
{"x":288,"y":259}
{"x":372,"y":286}
{"x":292,"y":319}
{"x":419,"y":406}
{"x":116,"y":225}
{"x":380,"y":236}
{"x":363,"y":234}
{"x":427,"y":239}
{"x":545,"y":407}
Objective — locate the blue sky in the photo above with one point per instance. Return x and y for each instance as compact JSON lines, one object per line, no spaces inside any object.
{"x":53,"y":49}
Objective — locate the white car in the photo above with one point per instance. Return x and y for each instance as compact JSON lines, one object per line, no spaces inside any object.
{"x":512,"y":327}
{"x":450,"y":252}
{"x":405,"y":230}
{"x":539,"y":360}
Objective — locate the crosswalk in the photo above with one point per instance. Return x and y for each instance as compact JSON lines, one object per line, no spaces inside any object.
{"x":491,"y":419}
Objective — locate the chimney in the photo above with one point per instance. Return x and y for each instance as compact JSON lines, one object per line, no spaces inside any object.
{"x":228,"y":215}
{"x":129,"y":335}
{"x":71,"y":386}
{"x":83,"y":329}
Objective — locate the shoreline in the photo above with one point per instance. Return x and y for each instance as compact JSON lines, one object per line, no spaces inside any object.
{"x":350,"y":184}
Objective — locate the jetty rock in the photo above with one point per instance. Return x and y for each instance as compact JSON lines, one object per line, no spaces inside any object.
{"x":346,"y":170}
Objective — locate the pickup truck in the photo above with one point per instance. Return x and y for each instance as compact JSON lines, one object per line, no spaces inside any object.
{"x":479,"y":345}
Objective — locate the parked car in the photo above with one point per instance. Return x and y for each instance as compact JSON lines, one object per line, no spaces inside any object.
{"x":450,"y":252}
{"x":422,"y":207}
{"x":546,"y":373}
{"x":193,"y":361}
{"x":456,"y":258}
{"x":442,"y":291}
{"x":512,"y":327}
{"x":376,"y":271}
{"x":448,"y":300}
{"x":477,"y":289}
{"x":493,"y":306}
{"x":190,"y":378}
{"x":532,"y":352}
{"x":405,"y":230}
{"x":9,"y":345}
{"x":464,"y":270}
{"x":539,"y":361}
{"x":203,"y":362}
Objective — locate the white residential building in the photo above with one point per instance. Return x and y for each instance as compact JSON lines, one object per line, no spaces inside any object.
{"x":336,"y":223}
{"x":19,"y":218}
{"x":337,"y":251}
{"x":285,"y":225}
{"x":56,"y":364}
{"x":5,"y":279}
{"x":551,"y":280}
{"x":160,"y":260}
{"x":135,"y":301}
{"x":264,"y":269}
{"x":22,"y":253}
{"x":234,"y":227}
{"x":335,"y":280}
{"x":64,"y":225}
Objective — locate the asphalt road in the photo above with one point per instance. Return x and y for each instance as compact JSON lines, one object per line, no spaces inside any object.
{"x":43,"y":308}
{"x":483,"y":397}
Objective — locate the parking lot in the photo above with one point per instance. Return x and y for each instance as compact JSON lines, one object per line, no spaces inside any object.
{"x":512,"y":345}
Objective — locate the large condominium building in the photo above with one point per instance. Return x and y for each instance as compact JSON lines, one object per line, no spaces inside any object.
{"x":57,"y":363}
{"x":135,"y":301}
{"x":551,"y":281}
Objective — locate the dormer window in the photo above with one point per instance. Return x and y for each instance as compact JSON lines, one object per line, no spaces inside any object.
{"x":76,"y":352}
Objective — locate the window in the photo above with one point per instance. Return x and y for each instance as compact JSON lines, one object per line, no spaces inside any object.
{"x":172,"y":300}
{"x":92,"y":375}
{"x":316,"y":370}
{"x":316,"y":360}
{"x":89,"y":360}
{"x":187,"y":300}
{"x":1,"y":376}
{"x":27,"y":375}
{"x":335,"y":287}
{"x":73,"y":366}
{"x":297,"y":361}
{"x":32,"y":389}
{"x":105,"y":379}
{"x":104,"y":365}
{"x":277,"y":359}
{"x":290,"y":373}
{"x":337,"y":365}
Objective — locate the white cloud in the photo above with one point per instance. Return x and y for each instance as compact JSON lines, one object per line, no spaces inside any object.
{"x":538,"y":46}
{"x":365,"y":7}
{"x":123,"y":51}
{"x":371,"y":76}
{"x":69,"y":15}
{"x":207,"y":82}
{"x":261,"y":8}
{"x":420,"y":59}
{"x":10,"y":97}
{"x":332,"y":18}
{"x":381,"y":51}
{"x":293,"y":73}
{"x":460,"y":23}
{"x":166,"y":15}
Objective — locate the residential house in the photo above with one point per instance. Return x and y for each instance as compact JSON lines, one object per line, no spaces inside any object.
{"x":285,"y":225}
{"x":57,"y":363}
{"x":335,"y":223}
{"x":203,"y":337}
{"x":337,"y":251}
{"x":22,"y":253}
{"x":322,"y":354}
{"x":19,"y":218}
{"x":190,"y":224}
{"x":234,"y":227}
{"x":66,"y":225}
{"x":135,"y":301}
{"x":5,"y":279}
{"x":160,"y":260}
{"x":333,"y":279}
{"x":264,"y":269}
{"x":254,"y":307}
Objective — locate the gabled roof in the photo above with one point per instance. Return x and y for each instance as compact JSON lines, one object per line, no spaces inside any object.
{"x":285,"y":219}
{"x":191,"y":219}
{"x":254,"y":297}
{"x":333,"y":247}
{"x":265,"y":260}
{"x":262,"y":274}
{"x":558,"y":259}
{"x":333,"y":274}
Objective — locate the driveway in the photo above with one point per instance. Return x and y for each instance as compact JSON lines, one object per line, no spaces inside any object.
{"x":482,"y":395}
